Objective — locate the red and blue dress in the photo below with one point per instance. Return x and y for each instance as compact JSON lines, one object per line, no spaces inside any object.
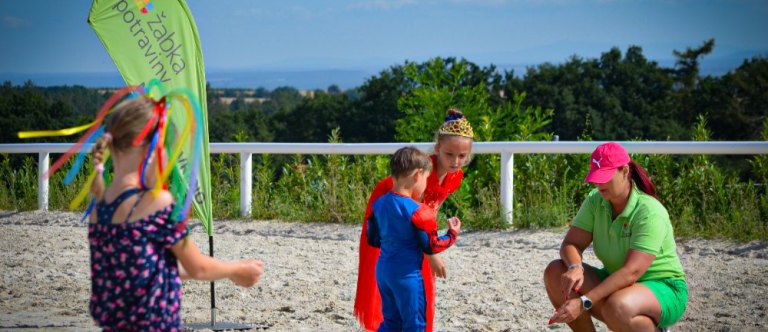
{"x":135,"y":284}
{"x":368,"y":307}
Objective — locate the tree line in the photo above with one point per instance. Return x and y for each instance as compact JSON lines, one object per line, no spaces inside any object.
{"x":618,"y":96}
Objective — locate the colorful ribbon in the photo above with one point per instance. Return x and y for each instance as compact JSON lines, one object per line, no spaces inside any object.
{"x":190,"y":133}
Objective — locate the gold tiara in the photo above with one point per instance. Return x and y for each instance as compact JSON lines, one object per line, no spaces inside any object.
{"x":458,"y":125}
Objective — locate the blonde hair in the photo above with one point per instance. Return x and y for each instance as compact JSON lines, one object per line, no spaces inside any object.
{"x":123,"y":125}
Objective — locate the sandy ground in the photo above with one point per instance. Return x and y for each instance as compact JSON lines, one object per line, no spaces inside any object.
{"x":494,"y":281}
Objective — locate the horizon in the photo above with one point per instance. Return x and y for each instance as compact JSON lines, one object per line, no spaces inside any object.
{"x":302,"y":79}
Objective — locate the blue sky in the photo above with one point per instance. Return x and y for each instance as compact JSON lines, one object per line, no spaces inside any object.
{"x":53,"y":37}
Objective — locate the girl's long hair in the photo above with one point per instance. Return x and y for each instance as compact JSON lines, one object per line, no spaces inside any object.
{"x":123,"y":125}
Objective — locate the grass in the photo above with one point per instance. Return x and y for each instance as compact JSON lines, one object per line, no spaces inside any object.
{"x":703,"y":199}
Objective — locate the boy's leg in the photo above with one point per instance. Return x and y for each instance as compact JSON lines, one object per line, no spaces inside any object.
{"x":412,"y":302}
{"x":392,"y":320}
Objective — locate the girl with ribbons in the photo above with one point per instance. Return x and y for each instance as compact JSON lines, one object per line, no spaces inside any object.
{"x":138,"y":243}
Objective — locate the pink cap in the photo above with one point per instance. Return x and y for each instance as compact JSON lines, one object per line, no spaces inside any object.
{"x":604,"y":162}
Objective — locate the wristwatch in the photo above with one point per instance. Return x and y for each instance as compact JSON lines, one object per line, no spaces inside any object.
{"x":586,"y":302}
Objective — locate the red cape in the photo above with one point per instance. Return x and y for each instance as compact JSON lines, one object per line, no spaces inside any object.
{"x":367,"y":298}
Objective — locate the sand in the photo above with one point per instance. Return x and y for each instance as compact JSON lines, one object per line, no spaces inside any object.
{"x":494,"y":278}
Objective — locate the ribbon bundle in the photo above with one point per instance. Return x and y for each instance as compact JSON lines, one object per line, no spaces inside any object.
{"x":180,"y":180}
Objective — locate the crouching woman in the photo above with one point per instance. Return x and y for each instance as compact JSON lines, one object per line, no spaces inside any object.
{"x":641,"y":286}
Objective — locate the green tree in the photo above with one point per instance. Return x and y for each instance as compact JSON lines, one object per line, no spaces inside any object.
{"x":686,"y":73}
{"x":313,"y":119}
{"x":622,"y":97}
{"x":282,"y":99}
{"x":375,"y":110}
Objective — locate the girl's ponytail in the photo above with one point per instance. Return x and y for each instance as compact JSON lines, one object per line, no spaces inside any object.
{"x":98,"y":151}
{"x":642,"y":180}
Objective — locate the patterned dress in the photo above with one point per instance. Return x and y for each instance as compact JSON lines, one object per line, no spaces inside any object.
{"x":135,"y":283}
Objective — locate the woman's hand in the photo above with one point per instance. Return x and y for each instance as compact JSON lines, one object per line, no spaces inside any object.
{"x":569,"y":311}
{"x":572,"y":280}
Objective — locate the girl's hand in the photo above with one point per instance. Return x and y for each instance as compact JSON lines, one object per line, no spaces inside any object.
{"x":569,"y":311}
{"x":437,"y":265}
{"x":248,"y":272}
{"x":454,"y":223}
{"x":571,"y":281}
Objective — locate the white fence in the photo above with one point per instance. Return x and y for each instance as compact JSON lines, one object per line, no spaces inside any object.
{"x":507,"y":150}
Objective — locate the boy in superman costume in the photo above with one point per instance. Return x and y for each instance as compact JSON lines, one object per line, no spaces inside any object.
{"x":453,"y":146}
{"x":405,"y":230}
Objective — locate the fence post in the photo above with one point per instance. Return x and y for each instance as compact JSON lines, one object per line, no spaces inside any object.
{"x":507,"y":185}
{"x":246,"y":184}
{"x":43,"y":161}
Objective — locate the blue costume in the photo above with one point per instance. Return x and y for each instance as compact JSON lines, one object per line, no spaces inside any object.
{"x":404,"y":230}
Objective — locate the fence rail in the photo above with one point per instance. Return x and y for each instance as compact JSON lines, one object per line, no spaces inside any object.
{"x":507,"y":150}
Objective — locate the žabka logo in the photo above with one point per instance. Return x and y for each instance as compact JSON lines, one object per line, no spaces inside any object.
{"x":145,"y":6}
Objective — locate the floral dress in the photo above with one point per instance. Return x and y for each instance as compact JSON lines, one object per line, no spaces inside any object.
{"x":135,"y":283}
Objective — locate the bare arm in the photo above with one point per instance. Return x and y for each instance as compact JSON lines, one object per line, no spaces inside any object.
{"x":574,"y":244}
{"x":195,"y":265}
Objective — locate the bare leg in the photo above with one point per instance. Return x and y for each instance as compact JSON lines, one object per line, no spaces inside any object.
{"x":634,"y":308}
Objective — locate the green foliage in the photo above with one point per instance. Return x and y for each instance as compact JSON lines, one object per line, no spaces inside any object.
{"x":760,"y":163}
{"x":313,"y":118}
{"x":705,"y":200}
{"x":438,"y":88}
{"x":18,"y":185}
{"x":617,"y":96}
{"x":225,"y":185}
{"x":329,"y":188}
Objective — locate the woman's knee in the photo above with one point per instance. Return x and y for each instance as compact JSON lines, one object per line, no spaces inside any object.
{"x":617,"y":313}
{"x":553,"y":271}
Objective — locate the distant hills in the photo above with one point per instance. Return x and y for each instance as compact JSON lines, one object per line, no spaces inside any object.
{"x":311,"y":79}
{"x":270,"y":79}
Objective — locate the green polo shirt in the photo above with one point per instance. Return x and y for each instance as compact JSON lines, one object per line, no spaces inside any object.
{"x":643,"y":225}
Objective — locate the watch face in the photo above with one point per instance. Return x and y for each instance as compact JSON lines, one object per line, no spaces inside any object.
{"x":587,"y":302}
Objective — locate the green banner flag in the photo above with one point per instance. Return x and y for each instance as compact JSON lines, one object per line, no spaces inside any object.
{"x":158,"y":39}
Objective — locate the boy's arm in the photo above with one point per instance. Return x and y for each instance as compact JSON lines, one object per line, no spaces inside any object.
{"x":374,"y":237}
{"x":425,"y":221}
{"x":432,"y":244}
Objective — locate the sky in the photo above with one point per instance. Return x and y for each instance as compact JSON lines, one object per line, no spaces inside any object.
{"x":43,"y":37}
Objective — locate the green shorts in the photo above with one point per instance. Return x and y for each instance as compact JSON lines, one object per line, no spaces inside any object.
{"x":672,"y":295}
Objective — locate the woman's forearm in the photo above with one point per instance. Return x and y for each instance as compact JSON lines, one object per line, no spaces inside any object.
{"x":570,"y":254}
{"x":620,"y":279}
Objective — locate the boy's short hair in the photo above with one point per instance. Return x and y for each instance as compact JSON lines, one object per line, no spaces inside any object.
{"x":407,"y":159}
